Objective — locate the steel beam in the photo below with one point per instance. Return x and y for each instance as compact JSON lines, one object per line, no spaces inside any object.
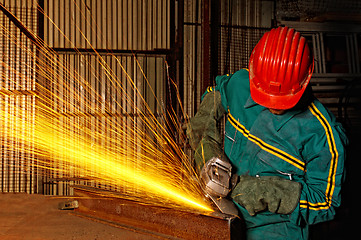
{"x":206,"y":45}
{"x":19,"y":24}
{"x":158,"y":221}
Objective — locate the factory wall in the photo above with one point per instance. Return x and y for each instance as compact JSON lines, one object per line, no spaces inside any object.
{"x":138,"y":34}
{"x":131,"y":34}
{"x":90,"y":110}
{"x":130,"y":39}
{"x":17,"y":91}
{"x":107,"y":24}
{"x":235,"y":27}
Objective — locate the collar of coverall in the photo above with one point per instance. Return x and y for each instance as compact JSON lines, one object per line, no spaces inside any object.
{"x":278,"y":120}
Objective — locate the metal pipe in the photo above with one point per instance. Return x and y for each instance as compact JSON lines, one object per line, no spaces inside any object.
{"x":357,"y":52}
{"x":316,"y":57}
{"x":349,"y":53}
{"x":323,"y":57}
{"x":318,"y":49}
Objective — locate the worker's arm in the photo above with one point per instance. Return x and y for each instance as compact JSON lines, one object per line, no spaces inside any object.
{"x":321,"y":186}
{"x":202,"y":132}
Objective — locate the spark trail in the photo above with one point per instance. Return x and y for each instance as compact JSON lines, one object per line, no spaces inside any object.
{"x":71,"y":129}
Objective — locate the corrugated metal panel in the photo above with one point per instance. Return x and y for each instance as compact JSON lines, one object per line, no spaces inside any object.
{"x":17,"y":82}
{"x":115,"y":25}
{"x":18,"y":173}
{"x":105,"y":105}
{"x":108,"y":24}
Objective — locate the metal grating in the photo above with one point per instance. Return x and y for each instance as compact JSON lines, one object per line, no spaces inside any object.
{"x":237,"y":44}
{"x":242,"y":25}
{"x":294,"y":9}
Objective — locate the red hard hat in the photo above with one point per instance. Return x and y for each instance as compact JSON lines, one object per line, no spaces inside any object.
{"x":280,"y":68}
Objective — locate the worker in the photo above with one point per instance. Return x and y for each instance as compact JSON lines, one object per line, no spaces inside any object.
{"x":286,"y":147}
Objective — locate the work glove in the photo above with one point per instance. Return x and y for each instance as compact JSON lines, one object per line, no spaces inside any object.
{"x":256,"y":194}
{"x":202,"y":131}
{"x":207,"y":149}
{"x":204,"y":123}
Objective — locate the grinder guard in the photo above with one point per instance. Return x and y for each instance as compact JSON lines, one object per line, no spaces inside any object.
{"x":217,"y":181}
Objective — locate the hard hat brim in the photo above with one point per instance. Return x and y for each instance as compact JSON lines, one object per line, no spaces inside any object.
{"x":281,"y":102}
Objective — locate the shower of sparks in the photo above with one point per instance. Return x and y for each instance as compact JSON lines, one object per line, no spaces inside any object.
{"x":72,"y":131}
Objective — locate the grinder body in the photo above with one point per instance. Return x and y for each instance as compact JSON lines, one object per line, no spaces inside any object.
{"x":217,"y":181}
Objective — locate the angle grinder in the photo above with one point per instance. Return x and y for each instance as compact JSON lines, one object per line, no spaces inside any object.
{"x":217,"y":181}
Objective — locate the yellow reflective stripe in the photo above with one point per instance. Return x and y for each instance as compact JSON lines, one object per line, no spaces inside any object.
{"x":314,"y":206}
{"x":209,"y":89}
{"x":333,"y":165}
{"x":265,"y":146}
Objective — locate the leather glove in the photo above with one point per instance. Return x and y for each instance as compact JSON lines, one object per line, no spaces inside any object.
{"x":259,"y":193}
{"x":204,"y":123}
{"x":202,"y":131}
{"x":207,"y":148}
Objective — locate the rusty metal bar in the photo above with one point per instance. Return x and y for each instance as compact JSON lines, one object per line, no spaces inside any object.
{"x":159,"y":221}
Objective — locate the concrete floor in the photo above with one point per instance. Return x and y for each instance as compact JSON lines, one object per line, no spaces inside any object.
{"x":36,"y":217}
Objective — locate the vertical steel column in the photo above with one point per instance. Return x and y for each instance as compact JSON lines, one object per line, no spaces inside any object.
{"x":175,"y":60}
{"x":215,"y":36}
{"x":205,"y":45}
{"x":357,"y":52}
{"x":40,"y":16}
{"x":179,"y":47}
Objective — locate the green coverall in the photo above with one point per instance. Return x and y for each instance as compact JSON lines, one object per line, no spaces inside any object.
{"x":302,"y":145}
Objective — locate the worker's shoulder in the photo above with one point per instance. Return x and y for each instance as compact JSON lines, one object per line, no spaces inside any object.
{"x":319,"y":123}
{"x":237,"y":78}
{"x":319,"y":111}
{"x":319,"y":117}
